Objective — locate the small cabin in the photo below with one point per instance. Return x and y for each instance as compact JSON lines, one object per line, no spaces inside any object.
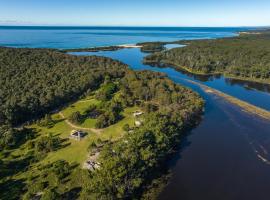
{"x":77,"y":134}
{"x":137,"y":113}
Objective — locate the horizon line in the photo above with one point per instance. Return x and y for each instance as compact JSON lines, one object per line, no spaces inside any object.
{"x":131,"y":26}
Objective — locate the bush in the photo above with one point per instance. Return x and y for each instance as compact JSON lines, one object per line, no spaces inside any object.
{"x":47,"y":121}
{"x":76,"y":118}
{"x":106,"y":92}
{"x":47,"y":144}
{"x":126,"y":127}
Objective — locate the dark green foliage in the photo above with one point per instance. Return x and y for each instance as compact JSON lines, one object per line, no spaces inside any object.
{"x":61,"y":169}
{"x":11,"y":138}
{"x":247,"y":56}
{"x":106,"y":91}
{"x":35,"y":81}
{"x":94,"y":49}
{"x":111,"y":115}
{"x":126,"y":127}
{"x":151,"y":47}
{"x":8,"y":137}
{"x":76,"y":117}
{"x":47,"y":144}
{"x":150,"y":107}
{"x":130,"y":163}
{"x":50,"y":194}
{"x":47,"y":121}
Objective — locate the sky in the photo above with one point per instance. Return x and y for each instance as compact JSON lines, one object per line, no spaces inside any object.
{"x":136,"y":12}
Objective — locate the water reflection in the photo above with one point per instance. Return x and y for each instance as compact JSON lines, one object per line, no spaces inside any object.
{"x":249,"y":85}
{"x":254,"y":93}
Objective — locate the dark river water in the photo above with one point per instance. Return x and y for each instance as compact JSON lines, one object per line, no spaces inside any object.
{"x":227,"y":156}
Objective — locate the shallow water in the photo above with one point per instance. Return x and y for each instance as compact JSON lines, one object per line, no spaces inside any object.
{"x":227,"y":156}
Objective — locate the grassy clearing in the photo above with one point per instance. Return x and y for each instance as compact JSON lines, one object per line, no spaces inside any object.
{"x":76,"y":151}
{"x":115,"y":131}
{"x":80,"y":106}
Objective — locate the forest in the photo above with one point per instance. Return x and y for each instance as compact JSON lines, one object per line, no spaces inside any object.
{"x":93,"y":49}
{"x":244,"y":57}
{"x":35,"y":82}
{"x":152,"y":47}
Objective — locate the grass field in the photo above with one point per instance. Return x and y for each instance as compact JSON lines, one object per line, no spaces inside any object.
{"x":76,"y":151}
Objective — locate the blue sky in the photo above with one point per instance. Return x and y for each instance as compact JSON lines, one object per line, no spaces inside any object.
{"x":136,"y":12}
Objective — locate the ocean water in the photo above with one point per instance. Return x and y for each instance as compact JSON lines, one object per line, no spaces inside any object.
{"x":81,"y":37}
{"x":227,"y":156}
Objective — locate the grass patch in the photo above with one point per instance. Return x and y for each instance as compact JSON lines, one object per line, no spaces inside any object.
{"x":80,"y":106}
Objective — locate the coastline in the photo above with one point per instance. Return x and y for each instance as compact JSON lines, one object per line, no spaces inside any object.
{"x":104,"y":48}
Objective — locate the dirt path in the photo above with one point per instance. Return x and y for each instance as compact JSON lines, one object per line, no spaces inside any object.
{"x":97,"y":131}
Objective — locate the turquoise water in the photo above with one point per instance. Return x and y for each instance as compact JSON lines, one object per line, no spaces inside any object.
{"x":80,"y":37}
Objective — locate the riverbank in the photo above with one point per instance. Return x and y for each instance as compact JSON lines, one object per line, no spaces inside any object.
{"x":245,"y":57}
{"x":247,"y":107}
{"x":194,"y":72}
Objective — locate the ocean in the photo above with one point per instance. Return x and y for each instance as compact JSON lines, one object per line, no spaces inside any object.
{"x":82,"y":37}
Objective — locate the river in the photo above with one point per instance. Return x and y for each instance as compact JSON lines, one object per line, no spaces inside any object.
{"x":227,"y":156}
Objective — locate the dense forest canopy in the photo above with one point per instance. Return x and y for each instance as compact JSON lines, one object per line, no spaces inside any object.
{"x":246,"y":56}
{"x":35,"y":81}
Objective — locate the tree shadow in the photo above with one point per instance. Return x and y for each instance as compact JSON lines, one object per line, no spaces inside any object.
{"x":74,"y":193}
{"x":11,"y":189}
{"x":9,"y":168}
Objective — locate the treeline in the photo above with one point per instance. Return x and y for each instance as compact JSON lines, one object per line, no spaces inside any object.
{"x":151,"y":47}
{"x":246,"y":56}
{"x":94,"y":49}
{"x":36,"y":81}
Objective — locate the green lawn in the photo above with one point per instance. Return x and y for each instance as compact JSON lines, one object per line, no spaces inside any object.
{"x":76,"y":151}
{"x":80,"y":106}
{"x":116,"y":130}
